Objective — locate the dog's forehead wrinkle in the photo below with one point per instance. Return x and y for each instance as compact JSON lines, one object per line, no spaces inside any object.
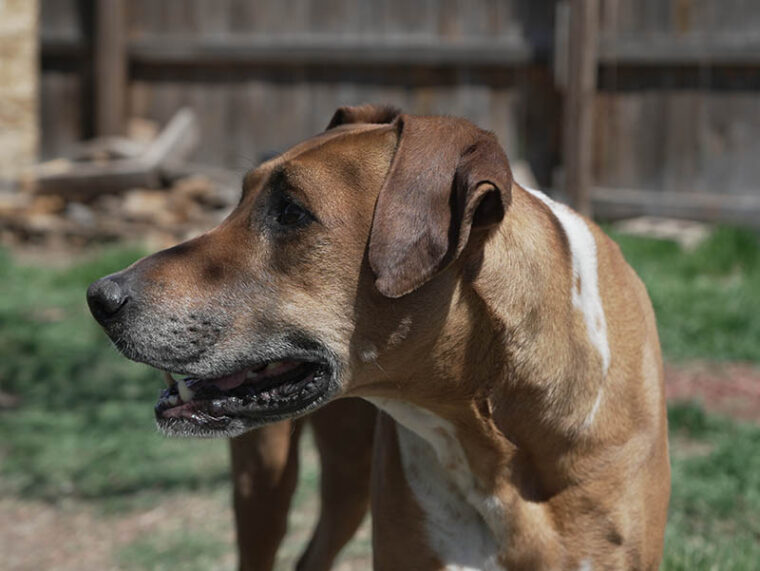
{"x":255,"y":176}
{"x":316,"y":171}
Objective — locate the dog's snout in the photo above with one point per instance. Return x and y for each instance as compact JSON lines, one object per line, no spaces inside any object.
{"x":106,"y":297}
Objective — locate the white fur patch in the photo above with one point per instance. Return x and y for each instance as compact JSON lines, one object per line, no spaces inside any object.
{"x":585,"y":565}
{"x":589,"y":420}
{"x":585,"y":288}
{"x":464,"y":525}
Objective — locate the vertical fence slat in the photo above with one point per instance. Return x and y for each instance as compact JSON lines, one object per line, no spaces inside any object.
{"x":579,"y":102}
{"x":110,"y":81}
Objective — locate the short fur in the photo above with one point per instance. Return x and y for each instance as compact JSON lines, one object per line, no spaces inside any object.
{"x":459,"y":302}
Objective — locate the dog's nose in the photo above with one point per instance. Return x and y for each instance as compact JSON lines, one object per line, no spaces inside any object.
{"x":106,"y":298}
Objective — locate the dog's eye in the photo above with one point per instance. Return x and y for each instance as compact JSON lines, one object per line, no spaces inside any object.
{"x":291,"y":214}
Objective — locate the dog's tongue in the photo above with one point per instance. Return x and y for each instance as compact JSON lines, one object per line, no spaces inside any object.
{"x":234,"y":380}
{"x":230,"y":381}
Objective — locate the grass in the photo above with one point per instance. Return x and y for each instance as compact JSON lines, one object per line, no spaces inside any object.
{"x":714,"y":518}
{"x":82,"y":429}
{"x":84,"y":424}
{"x":707,"y":300}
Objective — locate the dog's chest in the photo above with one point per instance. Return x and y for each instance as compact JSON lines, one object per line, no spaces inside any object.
{"x":463,"y":526}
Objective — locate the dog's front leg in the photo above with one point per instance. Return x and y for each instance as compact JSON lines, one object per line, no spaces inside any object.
{"x":343,"y":433}
{"x":265,"y":474}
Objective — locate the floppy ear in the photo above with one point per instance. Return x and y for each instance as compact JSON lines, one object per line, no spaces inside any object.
{"x":367,"y":113}
{"x":447,"y":178}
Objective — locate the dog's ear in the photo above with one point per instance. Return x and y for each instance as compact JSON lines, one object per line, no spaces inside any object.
{"x":447,"y":179}
{"x":367,"y":113}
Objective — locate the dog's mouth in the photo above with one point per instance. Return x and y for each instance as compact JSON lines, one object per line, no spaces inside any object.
{"x":230,"y":404}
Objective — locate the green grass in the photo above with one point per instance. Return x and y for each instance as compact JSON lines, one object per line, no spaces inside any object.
{"x":714,"y":518}
{"x":83,"y":426}
{"x":707,"y":301}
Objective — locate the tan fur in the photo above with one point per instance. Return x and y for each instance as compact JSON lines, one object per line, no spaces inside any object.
{"x":472,"y":321}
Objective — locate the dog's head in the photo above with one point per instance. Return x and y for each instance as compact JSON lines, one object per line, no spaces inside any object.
{"x":341,"y":251}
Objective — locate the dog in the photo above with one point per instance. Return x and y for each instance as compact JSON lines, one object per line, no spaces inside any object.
{"x":511,"y":350}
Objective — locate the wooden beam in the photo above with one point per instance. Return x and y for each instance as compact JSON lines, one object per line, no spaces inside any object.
{"x":87,"y":179}
{"x":328,"y":50}
{"x":579,"y":102}
{"x":616,"y":203}
{"x":726,"y":49}
{"x":110,"y":66}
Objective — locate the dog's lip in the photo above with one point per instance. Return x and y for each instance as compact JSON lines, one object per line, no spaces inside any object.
{"x":272,"y":387}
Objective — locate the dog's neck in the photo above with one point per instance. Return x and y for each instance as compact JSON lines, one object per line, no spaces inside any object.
{"x":553,"y":364}
{"x":518,"y":411}
{"x":515,"y":322}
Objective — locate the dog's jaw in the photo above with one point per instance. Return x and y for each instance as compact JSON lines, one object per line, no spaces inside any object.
{"x":231,"y":405}
{"x":235,"y":389}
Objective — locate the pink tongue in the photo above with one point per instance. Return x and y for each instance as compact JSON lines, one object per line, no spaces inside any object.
{"x":230,"y":381}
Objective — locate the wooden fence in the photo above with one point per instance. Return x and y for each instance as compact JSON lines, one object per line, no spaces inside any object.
{"x":675,"y":113}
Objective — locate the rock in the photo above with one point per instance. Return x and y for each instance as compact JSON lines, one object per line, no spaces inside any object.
{"x":147,"y":205}
{"x":80,"y":214}
{"x":200,"y":189}
{"x":688,"y":233}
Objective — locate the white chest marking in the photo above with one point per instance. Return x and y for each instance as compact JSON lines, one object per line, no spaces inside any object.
{"x":464,"y":526}
{"x":585,"y":288}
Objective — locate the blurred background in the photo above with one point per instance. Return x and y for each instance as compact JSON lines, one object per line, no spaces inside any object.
{"x":126,"y":126}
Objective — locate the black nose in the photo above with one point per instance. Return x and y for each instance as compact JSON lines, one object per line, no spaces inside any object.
{"x":106,"y":298}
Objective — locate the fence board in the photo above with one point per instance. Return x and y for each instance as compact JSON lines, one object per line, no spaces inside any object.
{"x":677,"y":141}
{"x":59,"y":129}
{"x":678,"y":110}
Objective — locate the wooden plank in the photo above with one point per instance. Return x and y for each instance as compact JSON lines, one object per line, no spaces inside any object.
{"x":692,"y":49}
{"x":172,"y":146}
{"x":329,"y":50}
{"x":615,"y":203}
{"x":176,"y":141}
{"x":86,"y":180}
{"x":579,"y":102}
{"x":696,"y":141}
{"x":213,"y":16}
{"x":561,"y":43}
{"x":61,"y":46}
{"x":404,"y":17}
{"x":59,"y":18}
{"x":655,"y":51}
{"x":110,"y":63}
{"x":179,"y":18}
{"x":59,"y":130}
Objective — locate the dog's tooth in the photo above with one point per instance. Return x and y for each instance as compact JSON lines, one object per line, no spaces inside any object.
{"x":185,"y":393}
{"x":172,"y":400}
{"x":169,"y":379}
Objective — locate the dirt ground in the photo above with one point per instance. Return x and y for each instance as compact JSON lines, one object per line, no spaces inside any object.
{"x":78,"y":536}
{"x":74,"y":536}
{"x":732,"y":389}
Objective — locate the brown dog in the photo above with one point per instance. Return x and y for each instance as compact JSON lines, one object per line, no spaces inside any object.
{"x":513,"y":349}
